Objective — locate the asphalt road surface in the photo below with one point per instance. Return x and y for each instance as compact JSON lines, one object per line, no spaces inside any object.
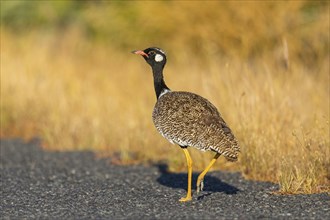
{"x":57,"y":185}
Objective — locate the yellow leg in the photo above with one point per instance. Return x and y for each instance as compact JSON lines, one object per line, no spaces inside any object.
{"x":200,"y":179}
{"x":189,"y":165}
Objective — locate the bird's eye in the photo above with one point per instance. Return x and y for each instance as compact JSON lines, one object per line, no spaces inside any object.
{"x":152,"y":53}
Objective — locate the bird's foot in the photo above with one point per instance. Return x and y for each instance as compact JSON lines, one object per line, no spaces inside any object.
{"x":185,"y":199}
{"x":200,"y":185}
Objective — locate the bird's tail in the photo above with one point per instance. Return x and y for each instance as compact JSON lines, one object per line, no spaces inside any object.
{"x":231,"y":153}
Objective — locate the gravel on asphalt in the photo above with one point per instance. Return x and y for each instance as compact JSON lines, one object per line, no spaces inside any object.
{"x":61,"y":185}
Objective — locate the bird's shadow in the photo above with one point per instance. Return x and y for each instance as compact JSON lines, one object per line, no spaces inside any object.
{"x":179,"y":180}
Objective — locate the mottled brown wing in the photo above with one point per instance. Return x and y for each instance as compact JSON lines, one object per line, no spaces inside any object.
{"x":188,"y":119}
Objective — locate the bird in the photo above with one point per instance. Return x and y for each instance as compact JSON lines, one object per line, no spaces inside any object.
{"x":188,"y":120}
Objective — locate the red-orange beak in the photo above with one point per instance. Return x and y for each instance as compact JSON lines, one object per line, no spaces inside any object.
{"x":140,"y":52}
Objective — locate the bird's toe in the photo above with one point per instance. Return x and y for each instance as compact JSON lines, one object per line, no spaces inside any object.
{"x":185,"y":199}
{"x":200,"y":186}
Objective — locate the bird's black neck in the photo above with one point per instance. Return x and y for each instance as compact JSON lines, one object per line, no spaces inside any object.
{"x":159,"y":82}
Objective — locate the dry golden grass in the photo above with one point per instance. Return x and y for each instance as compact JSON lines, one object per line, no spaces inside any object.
{"x":76,"y":96}
{"x":80,"y":94}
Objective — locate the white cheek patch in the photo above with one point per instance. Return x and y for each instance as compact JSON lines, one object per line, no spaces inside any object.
{"x":158,"y":58}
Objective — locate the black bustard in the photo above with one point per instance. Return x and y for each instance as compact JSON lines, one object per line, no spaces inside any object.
{"x":187,"y":119}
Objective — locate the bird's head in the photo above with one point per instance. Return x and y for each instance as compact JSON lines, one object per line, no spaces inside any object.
{"x":153,"y":55}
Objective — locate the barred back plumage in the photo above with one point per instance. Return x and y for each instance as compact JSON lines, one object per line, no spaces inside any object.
{"x":188,"y":119}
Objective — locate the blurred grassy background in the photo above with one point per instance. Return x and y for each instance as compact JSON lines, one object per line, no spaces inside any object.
{"x":67,"y":76}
